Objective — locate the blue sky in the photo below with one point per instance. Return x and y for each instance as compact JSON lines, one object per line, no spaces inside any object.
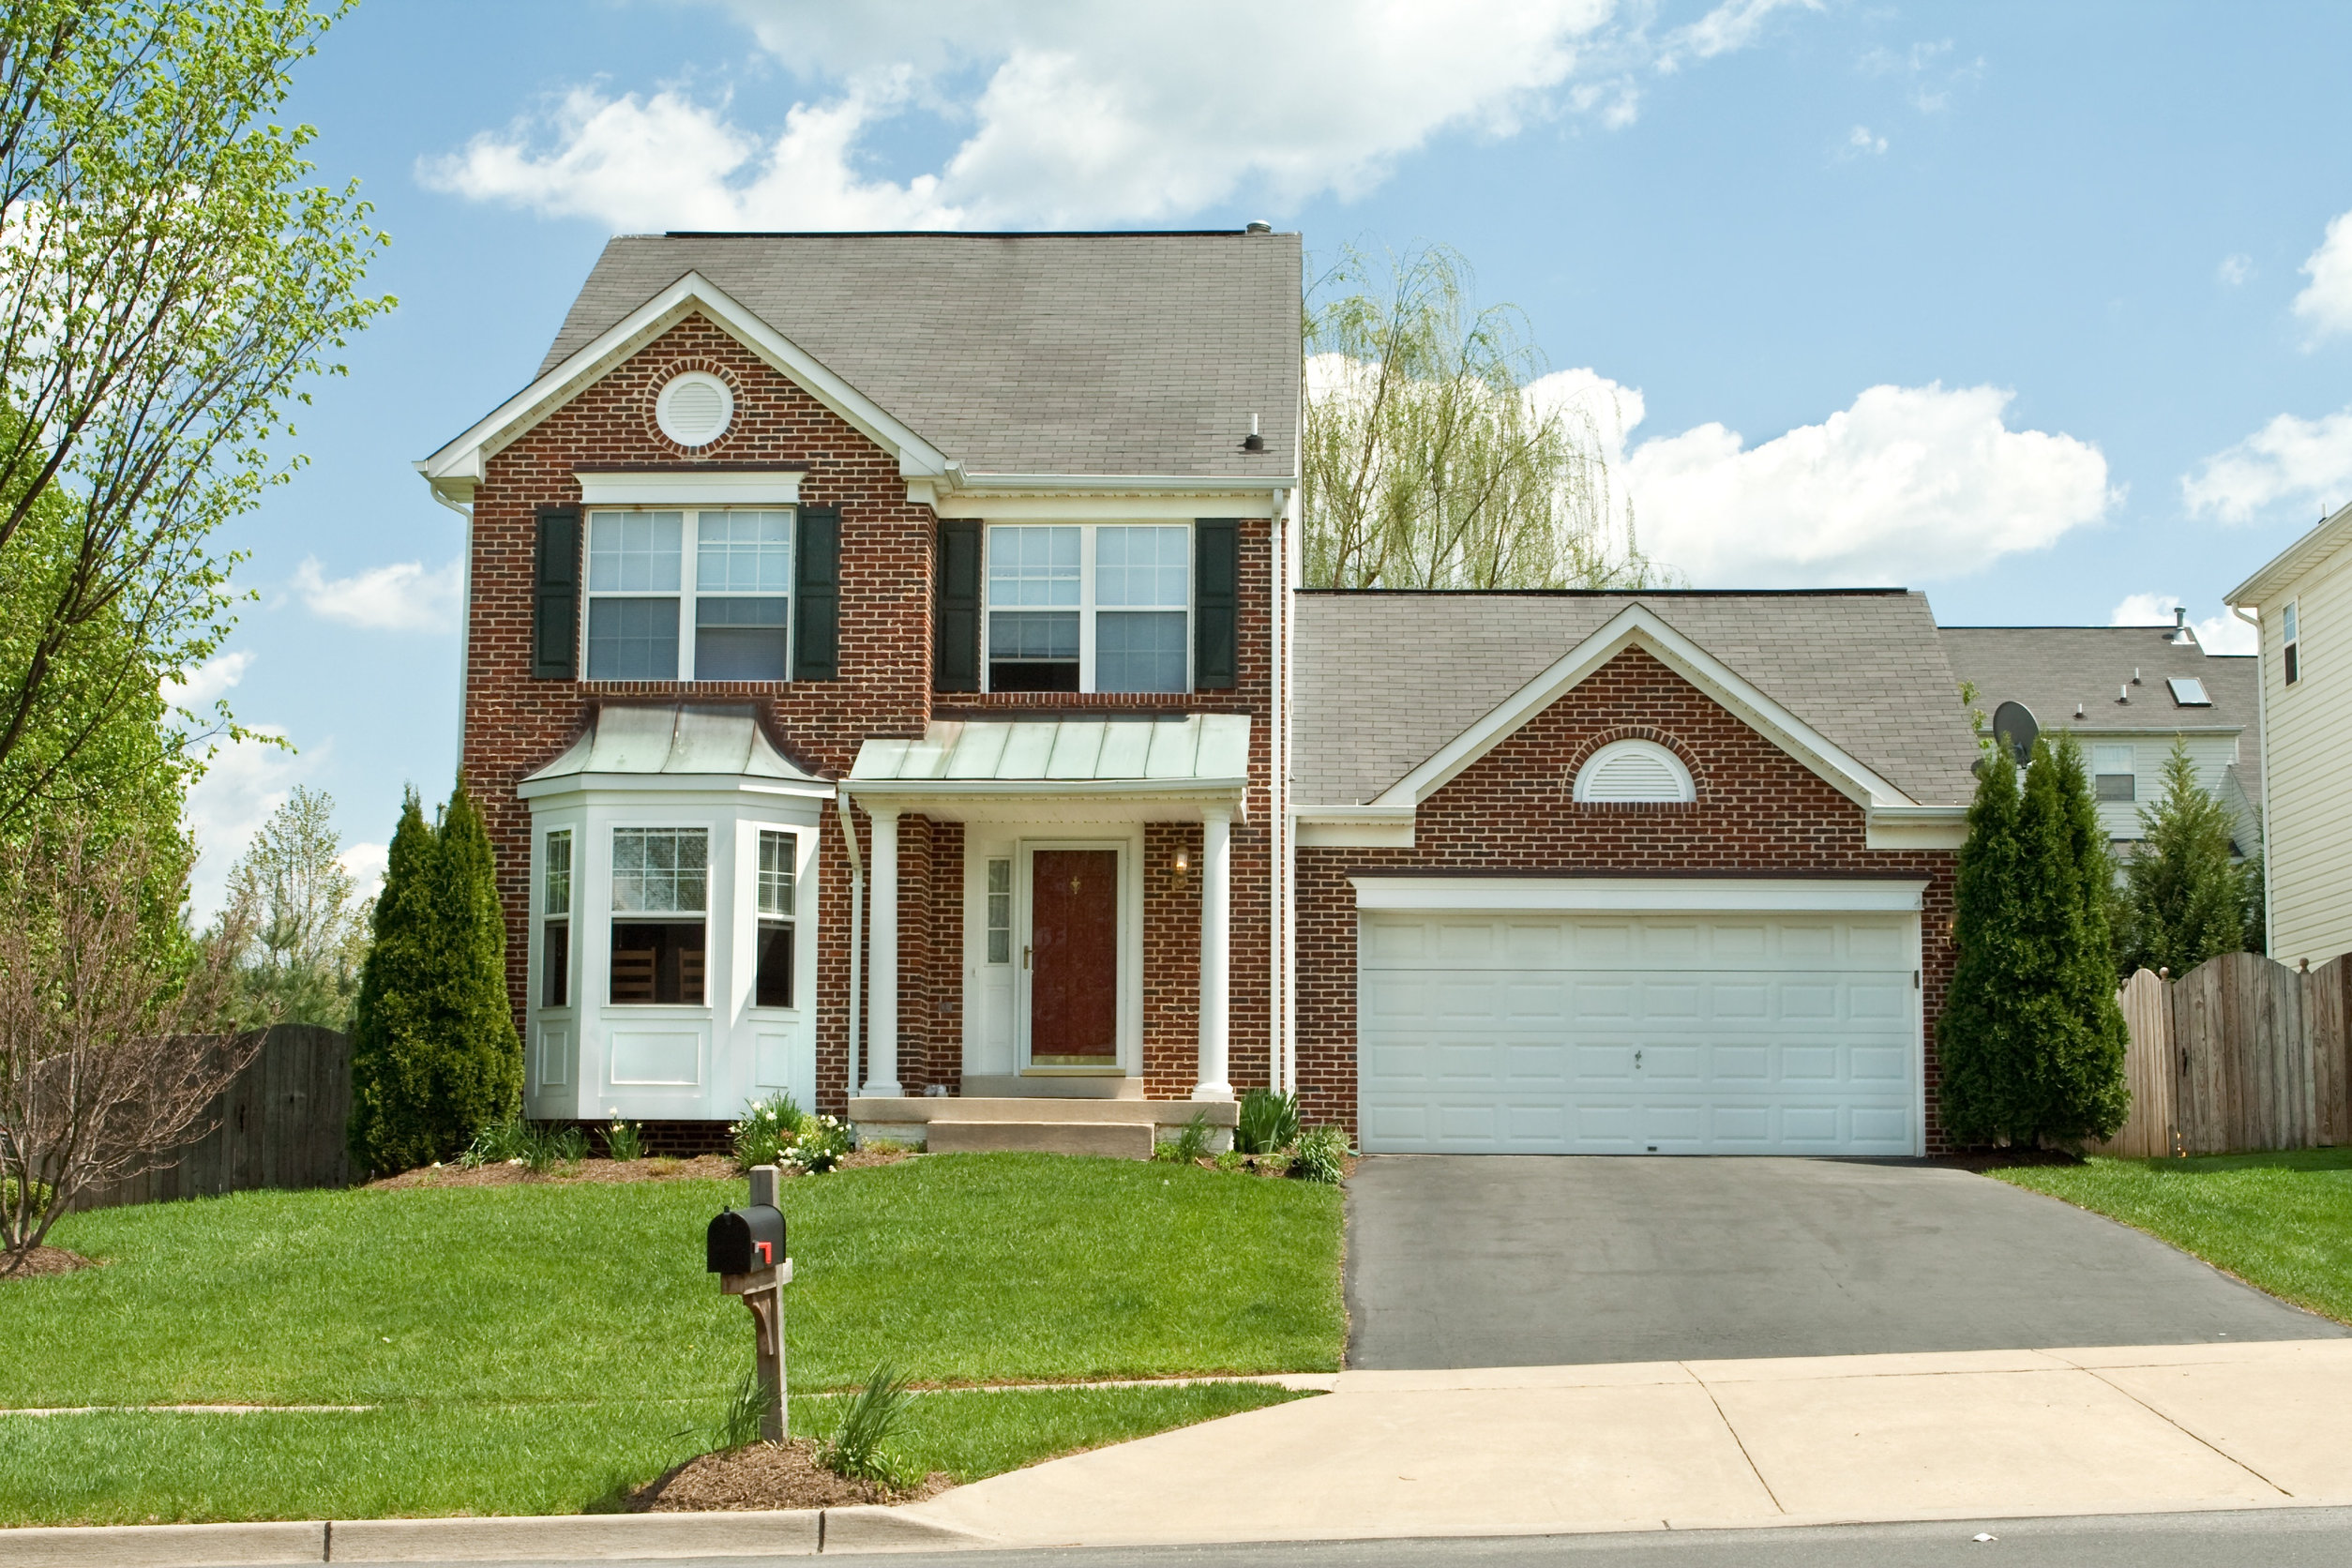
{"x":2035,"y":308}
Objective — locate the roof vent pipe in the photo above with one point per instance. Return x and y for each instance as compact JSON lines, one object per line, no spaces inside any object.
{"x":1253,"y":441}
{"x":1258,"y":226}
{"x":2135,"y":674}
{"x":2181,"y":636}
{"x":2123,"y":694}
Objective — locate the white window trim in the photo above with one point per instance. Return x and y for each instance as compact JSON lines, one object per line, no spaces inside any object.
{"x":689,"y":575}
{"x":2290,"y":648}
{"x":752,"y":915}
{"x":1086,"y":606}
{"x":1685,"y":790}
{"x":667,"y":489}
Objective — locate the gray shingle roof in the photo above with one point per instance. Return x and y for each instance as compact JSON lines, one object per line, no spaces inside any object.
{"x":1138,"y":354}
{"x":1385,"y":680}
{"x":2053,"y":669}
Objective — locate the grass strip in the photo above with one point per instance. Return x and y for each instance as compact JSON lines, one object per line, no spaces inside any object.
{"x":2282,"y":1222}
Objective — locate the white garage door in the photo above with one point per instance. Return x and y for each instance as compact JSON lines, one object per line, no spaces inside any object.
{"x":1534,"y":1033}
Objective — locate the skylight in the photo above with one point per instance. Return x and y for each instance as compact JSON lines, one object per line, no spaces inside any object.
{"x":2188,"y":691}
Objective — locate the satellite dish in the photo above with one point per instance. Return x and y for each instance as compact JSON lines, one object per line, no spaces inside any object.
{"x":2014,"y":727}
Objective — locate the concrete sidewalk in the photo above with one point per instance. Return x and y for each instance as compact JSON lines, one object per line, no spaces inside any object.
{"x":1699,"y":1445}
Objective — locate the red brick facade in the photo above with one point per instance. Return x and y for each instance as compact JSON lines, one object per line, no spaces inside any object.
{"x":516,"y":724}
{"x":1758,"y":811}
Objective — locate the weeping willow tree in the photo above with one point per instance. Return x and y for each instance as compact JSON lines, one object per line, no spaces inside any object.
{"x":1428,"y":463}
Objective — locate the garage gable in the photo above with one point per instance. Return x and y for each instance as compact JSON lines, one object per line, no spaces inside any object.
{"x":1638,"y":628}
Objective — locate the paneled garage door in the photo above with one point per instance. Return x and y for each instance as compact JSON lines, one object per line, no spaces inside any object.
{"x":1668,"y":1033}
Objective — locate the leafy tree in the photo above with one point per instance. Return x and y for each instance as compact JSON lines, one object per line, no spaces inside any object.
{"x":167,"y":282}
{"x":2186,"y":900}
{"x":435,"y":1053}
{"x":308,"y":935}
{"x":2030,"y":1041}
{"x":1427,"y":463}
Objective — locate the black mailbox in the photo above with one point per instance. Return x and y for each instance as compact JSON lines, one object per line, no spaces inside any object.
{"x":745,"y":1241}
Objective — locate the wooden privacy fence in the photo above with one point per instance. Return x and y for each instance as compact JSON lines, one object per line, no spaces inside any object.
{"x":282,"y":1124}
{"x":2239,"y":1054}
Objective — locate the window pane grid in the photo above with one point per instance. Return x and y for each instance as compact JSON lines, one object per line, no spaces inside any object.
{"x":999,"y":926}
{"x":1100,"y":607}
{"x":1034,"y":567}
{"x":776,"y":874}
{"x":634,"y":552}
{"x":559,"y":872}
{"x":744,"y":552}
{"x":659,"y":871}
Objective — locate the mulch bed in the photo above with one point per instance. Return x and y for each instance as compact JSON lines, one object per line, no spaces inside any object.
{"x":702,"y":1167}
{"x":768,"y":1475}
{"x":49,"y":1260}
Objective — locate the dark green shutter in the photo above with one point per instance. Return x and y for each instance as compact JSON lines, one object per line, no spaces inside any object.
{"x":955,"y":610}
{"x":817,"y":595}
{"x":1217,"y":598}
{"x":555,"y":595}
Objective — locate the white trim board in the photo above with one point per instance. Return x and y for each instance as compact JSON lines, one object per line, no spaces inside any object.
{"x":691,"y":487}
{"x":1638,"y":894}
{"x":1637,"y":626}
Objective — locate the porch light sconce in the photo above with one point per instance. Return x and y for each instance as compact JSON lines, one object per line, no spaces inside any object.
{"x":1179,"y":871}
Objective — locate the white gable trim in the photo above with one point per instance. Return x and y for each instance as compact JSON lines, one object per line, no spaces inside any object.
{"x":1637,"y":626}
{"x":456,"y":467}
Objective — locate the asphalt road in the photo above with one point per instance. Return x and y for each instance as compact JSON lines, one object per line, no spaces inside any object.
{"x":1508,"y":1260}
{"x":2280,"y":1538}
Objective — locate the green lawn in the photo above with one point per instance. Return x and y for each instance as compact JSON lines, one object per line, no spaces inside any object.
{"x":2280,"y":1222}
{"x":533,"y":1347}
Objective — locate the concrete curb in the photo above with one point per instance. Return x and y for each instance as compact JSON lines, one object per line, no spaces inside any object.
{"x":162,"y":1546}
{"x":554,"y":1537}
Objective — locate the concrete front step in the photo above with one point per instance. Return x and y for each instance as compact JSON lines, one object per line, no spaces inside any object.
{"x":1041,"y":1122}
{"x":1118,"y":1141}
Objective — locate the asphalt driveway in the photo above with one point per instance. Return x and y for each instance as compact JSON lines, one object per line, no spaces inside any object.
{"x":1506,"y":1261}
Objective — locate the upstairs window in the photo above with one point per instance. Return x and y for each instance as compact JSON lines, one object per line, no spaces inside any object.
{"x":1089,"y":608}
{"x":2291,"y":639}
{"x":1629,"y":771}
{"x":660,"y":888}
{"x":645,"y":624}
{"x":2113,"y":773}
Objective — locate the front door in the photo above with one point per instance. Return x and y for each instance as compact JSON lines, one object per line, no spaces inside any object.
{"x":1073,"y":958}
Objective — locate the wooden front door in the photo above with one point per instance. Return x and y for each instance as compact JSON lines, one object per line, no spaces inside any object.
{"x":1073,"y":958}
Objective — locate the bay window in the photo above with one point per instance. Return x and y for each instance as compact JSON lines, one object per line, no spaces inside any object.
{"x":660,"y":885}
{"x":645,"y":622}
{"x":1089,"y":608}
{"x":555,"y":938}
{"x":772,"y":985}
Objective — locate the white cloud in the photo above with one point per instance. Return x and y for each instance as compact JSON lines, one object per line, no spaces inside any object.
{"x":2326,"y":301}
{"x":244,"y":782}
{"x":208,"y":681}
{"x":2216,"y":634}
{"x":1079,"y":112}
{"x":1908,"y":485}
{"x":404,"y":597}
{"x":2306,"y":460}
{"x":2234,"y":270}
{"x":366,"y":863}
{"x":1860,"y":140}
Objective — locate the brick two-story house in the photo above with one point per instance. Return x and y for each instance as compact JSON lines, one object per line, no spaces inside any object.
{"x":884,"y":681}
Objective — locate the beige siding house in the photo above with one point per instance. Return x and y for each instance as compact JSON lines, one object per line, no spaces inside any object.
{"x":2302,"y":603}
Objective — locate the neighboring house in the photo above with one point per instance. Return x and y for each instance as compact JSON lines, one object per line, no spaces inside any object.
{"x":881,"y":674}
{"x":2302,"y":602}
{"x":2128,"y":693}
{"x":1657,"y":872}
{"x":971,"y":542}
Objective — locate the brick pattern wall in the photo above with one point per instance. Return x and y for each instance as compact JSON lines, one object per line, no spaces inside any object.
{"x":1172,"y":961}
{"x":1760,"y":811}
{"x":516,"y":725}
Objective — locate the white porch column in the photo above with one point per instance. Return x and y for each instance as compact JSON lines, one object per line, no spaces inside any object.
{"x":1216,"y":944}
{"x":881,"y":959}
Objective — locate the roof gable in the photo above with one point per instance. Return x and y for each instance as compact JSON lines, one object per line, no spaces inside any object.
{"x":2297,"y":561}
{"x":1638,"y":626}
{"x":460,"y":463}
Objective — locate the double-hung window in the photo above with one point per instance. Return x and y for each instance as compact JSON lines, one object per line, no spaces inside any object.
{"x":1089,"y":608}
{"x":655,"y":616}
{"x":660,"y":898}
{"x":773,"y":985}
{"x":2112,"y":773}
{"x":2291,"y":639}
{"x":555,"y":934}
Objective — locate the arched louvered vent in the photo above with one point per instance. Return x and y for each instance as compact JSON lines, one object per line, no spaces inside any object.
{"x":1625,"y":771}
{"x":694,"y":409}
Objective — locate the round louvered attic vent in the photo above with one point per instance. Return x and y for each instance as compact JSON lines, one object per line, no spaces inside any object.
{"x":1634,"y":771}
{"x":694,"y":409}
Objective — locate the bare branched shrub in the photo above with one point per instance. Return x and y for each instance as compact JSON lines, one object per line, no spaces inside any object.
{"x":106,"y":1065}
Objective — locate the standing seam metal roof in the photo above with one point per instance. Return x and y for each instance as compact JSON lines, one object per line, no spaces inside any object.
{"x":1863,"y":667}
{"x":1135,"y":353}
